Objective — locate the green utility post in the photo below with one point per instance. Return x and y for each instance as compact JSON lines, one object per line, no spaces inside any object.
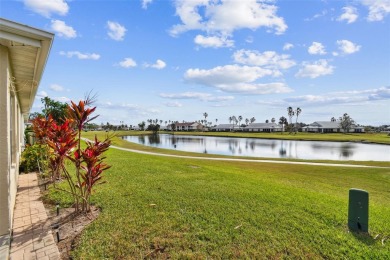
{"x":358,"y":210}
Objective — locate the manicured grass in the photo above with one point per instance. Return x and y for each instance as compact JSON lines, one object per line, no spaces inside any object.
{"x":193,"y":208}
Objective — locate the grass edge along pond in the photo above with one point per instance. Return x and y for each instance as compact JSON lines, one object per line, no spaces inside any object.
{"x":164,"y":207}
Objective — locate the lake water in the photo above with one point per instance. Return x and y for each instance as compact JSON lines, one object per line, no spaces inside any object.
{"x":312,"y":150}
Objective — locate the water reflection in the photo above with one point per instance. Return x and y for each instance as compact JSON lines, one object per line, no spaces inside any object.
{"x":267,"y":148}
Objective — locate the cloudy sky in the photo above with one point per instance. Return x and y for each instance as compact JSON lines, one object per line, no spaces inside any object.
{"x":175,"y":60}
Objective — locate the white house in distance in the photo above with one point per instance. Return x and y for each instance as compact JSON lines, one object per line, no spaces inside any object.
{"x":226,"y":128}
{"x":23,"y":55}
{"x":263,"y":127}
{"x":330,"y":127}
{"x":191,"y":126}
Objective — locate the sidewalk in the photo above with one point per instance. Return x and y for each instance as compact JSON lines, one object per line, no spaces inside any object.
{"x":32,"y":235}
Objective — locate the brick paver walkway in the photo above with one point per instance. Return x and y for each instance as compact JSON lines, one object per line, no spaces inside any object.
{"x":32,"y":235}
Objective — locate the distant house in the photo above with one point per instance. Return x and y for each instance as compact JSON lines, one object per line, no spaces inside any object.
{"x":23,"y":54}
{"x":226,"y":128}
{"x":190,"y":126}
{"x":263,"y":127}
{"x":330,"y":127}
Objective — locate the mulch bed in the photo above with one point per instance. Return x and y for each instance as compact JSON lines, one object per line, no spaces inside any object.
{"x":69,"y":224}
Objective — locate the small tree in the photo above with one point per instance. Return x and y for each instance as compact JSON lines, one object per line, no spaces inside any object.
{"x":64,"y":140}
{"x":142,"y":125}
{"x":346,"y":123}
{"x":283,"y":122}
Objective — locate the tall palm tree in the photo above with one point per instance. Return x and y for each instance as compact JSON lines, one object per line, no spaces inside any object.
{"x":333,"y":119}
{"x":205,"y":116}
{"x":290,"y":112}
{"x":297,"y":112}
{"x":239,"y":120}
{"x":253,"y":119}
{"x":273,"y":120}
{"x":246,"y":121}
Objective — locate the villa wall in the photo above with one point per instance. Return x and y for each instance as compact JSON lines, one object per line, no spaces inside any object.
{"x":11,"y":141}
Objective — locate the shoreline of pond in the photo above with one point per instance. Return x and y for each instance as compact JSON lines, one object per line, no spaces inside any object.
{"x":229,"y":135}
{"x":276,"y":148}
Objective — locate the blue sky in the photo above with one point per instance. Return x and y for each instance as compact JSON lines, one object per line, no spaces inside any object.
{"x":175,"y":60}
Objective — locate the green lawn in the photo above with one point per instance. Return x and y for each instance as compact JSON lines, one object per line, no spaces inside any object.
{"x":190,"y":208}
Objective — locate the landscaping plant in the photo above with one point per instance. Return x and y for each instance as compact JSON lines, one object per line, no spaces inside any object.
{"x":64,"y":141}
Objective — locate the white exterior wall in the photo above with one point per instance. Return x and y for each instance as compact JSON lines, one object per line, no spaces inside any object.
{"x":11,"y":142}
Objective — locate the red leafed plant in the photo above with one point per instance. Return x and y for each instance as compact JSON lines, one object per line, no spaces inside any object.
{"x":64,"y":141}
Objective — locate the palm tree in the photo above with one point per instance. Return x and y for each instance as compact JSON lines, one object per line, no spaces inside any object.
{"x":230,"y":119}
{"x":216,"y":121}
{"x":333,"y":119}
{"x":253,"y":119}
{"x":239,"y":120}
{"x":246,"y":121}
{"x":273,"y":120}
{"x":282,"y":121}
{"x":205,"y":116}
{"x":266,"y":121}
{"x":297,"y":112}
{"x":290,"y":112}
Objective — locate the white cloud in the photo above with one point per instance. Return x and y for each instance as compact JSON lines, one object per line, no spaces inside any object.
{"x":224,"y":17}
{"x":173,"y":104}
{"x":348,"y":47}
{"x":267,"y":59}
{"x":248,"y":39}
{"x":81,"y":56}
{"x":197,"y":95}
{"x":315,"y":69}
{"x":128,"y":63}
{"x":124,"y":111}
{"x":316,"y":48}
{"x":323,"y":13}
{"x":116,"y":31}
{"x":353,"y":97}
{"x":48,"y":7}
{"x":288,"y":46}
{"x":62,"y":99}
{"x":213,"y":41}
{"x":345,"y":97}
{"x":377,"y":9}
{"x":145,"y":3}
{"x":56,"y":87}
{"x":158,"y":65}
{"x":62,"y":29}
{"x":350,"y":14}
{"x":42,"y":94}
{"x":236,"y":79}
{"x":226,"y":75}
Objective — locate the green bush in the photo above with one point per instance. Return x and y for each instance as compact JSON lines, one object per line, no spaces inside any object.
{"x":34,"y":158}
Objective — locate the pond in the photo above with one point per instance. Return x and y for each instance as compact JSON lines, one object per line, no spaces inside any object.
{"x":269,"y":148}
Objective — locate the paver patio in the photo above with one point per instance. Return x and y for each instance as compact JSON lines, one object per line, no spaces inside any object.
{"x":32,"y":236}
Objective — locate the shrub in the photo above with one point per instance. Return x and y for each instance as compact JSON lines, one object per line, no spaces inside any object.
{"x":33,"y":158}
